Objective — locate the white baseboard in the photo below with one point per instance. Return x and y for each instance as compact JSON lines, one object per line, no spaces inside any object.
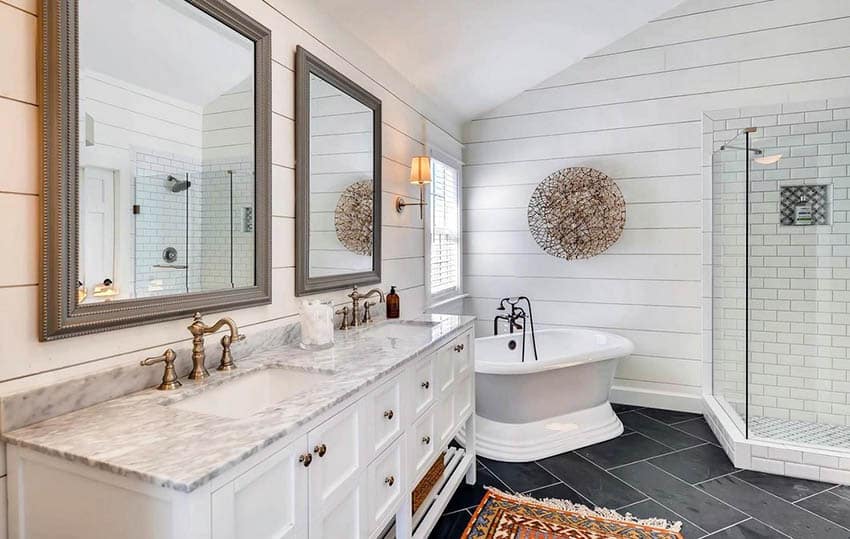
{"x":657,"y":399}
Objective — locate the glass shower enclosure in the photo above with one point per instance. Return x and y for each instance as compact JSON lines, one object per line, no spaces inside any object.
{"x":193,"y":232}
{"x":780,"y":281}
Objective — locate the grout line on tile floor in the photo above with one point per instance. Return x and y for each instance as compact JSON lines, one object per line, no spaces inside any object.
{"x":531,"y":491}
{"x":795,"y":502}
{"x":757,"y":488}
{"x":846,"y":497}
{"x":747,"y":520}
{"x":736,"y":470}
{"x":654,"y":457}
{"x":647,"y":495}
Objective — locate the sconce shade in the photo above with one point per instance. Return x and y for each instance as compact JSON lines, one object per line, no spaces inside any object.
{"x":420,"y":170}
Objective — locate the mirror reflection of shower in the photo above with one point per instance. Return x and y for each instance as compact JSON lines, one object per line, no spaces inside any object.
{"x":176,"y":185}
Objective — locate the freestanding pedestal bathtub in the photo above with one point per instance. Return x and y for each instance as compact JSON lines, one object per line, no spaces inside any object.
{"x":535,"y":409}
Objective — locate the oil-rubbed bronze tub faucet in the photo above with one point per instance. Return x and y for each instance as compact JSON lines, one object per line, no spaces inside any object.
{"x":199,"y":329}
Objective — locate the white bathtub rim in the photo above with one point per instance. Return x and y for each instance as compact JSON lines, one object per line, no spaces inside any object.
{"x":526,"y":442}
{"x":618,"y":347}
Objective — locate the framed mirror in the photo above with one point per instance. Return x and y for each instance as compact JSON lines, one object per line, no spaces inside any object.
{"x":157,"y":162}
{"x":338,"y":179}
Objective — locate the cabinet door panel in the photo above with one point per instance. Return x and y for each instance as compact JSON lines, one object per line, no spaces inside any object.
{"x":337,"y":499}
{"x":445,"y":369}
{"x":266,"y":502}
{"x":463,"y":399}
{"x":343,"y":519}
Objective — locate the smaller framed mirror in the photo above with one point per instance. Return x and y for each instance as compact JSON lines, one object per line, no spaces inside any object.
{"x":338,"y":179}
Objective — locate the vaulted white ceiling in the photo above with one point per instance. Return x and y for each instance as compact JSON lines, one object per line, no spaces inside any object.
{"x":472,"y":55}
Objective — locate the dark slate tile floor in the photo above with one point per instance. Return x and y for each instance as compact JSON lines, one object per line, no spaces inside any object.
{"x":667,"y":464}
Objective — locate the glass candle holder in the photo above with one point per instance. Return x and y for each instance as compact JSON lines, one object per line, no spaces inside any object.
{"x":317,"y":325}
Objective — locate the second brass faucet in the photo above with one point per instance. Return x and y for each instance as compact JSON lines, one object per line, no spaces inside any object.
{"x":199,"y":329}
{"x":356,"y":296}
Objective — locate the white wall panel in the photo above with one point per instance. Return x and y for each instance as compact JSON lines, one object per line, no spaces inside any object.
{"x":406,"y":113}
{"x":633,"y":111}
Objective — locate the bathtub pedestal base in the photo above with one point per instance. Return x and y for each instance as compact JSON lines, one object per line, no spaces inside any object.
{"x":525,"y":442}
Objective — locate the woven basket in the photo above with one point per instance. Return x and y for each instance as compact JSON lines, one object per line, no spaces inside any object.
{"x":427,"y":484}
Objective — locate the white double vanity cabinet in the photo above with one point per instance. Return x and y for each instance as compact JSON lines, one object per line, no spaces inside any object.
{"x":340,"y":470}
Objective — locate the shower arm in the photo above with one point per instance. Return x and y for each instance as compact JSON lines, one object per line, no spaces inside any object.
{"x":730,"y":147}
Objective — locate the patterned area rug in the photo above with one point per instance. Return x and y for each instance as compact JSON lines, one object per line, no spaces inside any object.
{"x":506,"y":516}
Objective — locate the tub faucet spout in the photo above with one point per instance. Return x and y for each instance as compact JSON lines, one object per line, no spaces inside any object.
{"x":517,"y":313}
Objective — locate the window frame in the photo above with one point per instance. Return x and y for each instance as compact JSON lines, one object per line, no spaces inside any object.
{"x":445,"y":296}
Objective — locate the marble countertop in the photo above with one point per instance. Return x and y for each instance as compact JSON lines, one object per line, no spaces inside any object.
{"x":140,"y":436}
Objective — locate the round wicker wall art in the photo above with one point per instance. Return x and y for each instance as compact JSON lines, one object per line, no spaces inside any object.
{"x":576,"y":213}
{"x":353,"y":217}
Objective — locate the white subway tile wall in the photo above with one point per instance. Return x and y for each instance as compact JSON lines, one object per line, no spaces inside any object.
{"x":799,"y":372}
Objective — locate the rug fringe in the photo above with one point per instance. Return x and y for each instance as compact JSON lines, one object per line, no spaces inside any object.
{"x":599,"y":512}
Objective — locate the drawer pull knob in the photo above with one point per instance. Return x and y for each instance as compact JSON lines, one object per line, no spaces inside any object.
{"x":305,"y":459}
{"x":389,"y":415}
{"x":320,"y":450}
{"x":459,"y":348}
{"x":426,"y":384}
{"x":390,"y":481}
{"x":426,"y":440}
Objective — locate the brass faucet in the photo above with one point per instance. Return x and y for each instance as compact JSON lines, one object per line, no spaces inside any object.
{"x":356,"y":296}
{"x":199,"y":329}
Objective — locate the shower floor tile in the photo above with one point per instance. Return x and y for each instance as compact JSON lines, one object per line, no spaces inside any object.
{"x":679,"y":484}
{"x":800,"y":432}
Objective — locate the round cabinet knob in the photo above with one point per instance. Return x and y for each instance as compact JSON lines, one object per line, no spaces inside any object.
{"x":390,"y":481}
{"x":426,"y":384}
{"x":426,"y":440}
{"x":320,"y":450}
{"x":305,"y":459}
{"x":389,"y":415}
{"x":459,"y":348}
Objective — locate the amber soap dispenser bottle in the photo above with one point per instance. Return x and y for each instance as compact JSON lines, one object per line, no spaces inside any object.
{"x":393,"y":303}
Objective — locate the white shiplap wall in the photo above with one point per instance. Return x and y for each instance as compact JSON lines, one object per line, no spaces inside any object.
{"x":407,"y":116}
{"x":410,"y":121}
{"x":633,"y":110}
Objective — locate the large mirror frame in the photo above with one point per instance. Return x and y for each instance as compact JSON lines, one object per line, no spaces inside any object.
{"x":61,"y":315}
{"x":305,"y":65}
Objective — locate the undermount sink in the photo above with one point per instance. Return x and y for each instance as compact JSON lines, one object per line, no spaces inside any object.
{"x":251,"y":393}
{"x":396,"y":328}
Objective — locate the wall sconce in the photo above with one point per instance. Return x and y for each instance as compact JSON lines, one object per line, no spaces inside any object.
{"x":420,"y":174}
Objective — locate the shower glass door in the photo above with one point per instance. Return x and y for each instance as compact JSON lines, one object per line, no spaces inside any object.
{"x":729,"y":282}
{"x":161,"y":257}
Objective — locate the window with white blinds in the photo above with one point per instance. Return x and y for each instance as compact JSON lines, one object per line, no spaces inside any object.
{"x":445,"y":230}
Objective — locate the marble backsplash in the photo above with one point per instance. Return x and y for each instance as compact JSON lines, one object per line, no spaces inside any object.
{"x":28,"y":406}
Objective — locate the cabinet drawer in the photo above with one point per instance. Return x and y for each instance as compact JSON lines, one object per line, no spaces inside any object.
{"x":463,"y":399}
{"x":422,"y":386}
{"x":385,"y":481}
{"x":422,"y":442}
{"x":385,"y":415}
{"x":462,"y":350}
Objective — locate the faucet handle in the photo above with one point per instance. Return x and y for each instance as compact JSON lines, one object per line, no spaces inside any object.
{"x":367,"y":316}
{"x":226,"y":363}
{"x":344,"y":313}
{"x":169,"y":377}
